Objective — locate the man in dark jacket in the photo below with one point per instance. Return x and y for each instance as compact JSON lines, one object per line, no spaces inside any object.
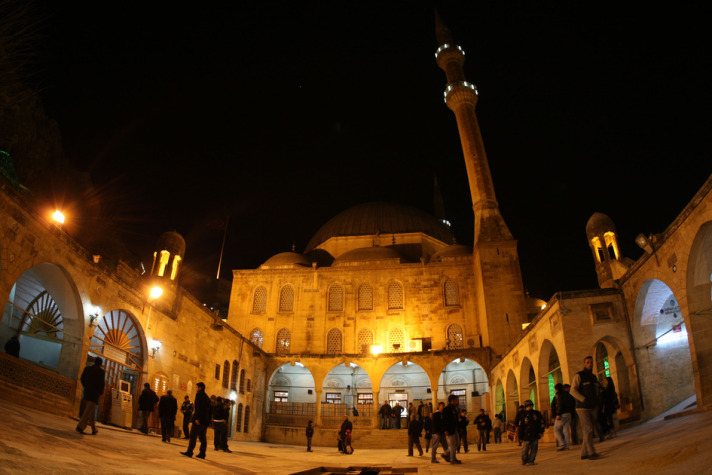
{"x":310,"y":434}
{"x":562,"y":409}
{"x":146,"y":403}
{"x":397,"y":413}
{"x":450,"y":415}
{"x":415,"y":429}
{"x":93,"y":382}
{"x":438,"y":435}
{"x":187,"y":410}
{"x":220,"y":425}
{"x":345,"y":436}
{"x":484,"y":426}
{"x":167,"y":410}
{"x":531,"y":427}
{"x":462,"y":423}
{"x":584,"y":388}
{"x":201,"y":420}
{"x":385,"y":414}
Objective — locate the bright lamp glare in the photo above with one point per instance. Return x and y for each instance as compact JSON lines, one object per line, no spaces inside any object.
{"x":156,"y":292}
{"x":58,"y":216}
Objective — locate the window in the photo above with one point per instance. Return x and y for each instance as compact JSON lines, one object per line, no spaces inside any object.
{"x":281,"y":396}
{"x":597,"y":249}
{"x":461,"y":395}
{"x":452,"y":295}
{"x":226,"y":374}
{"x":160,"y":384}
{"x":163,"y":262}
{"x":365,"y":340}
{"x":395,"y":296}
{"x":333,"y":341}
{"x":249,"y":385}
{"x":286,"y":299}
{"x":238,"y":420}
{"x":256,"y":337}
{"x":396,"y":340}
{"x":365,"y":297}
{"x":454,"y":336}
{"x":336,"y":298}
{"x":217,"y":372}
{"x":174,"y":270}
{"x":259,"y":302}
{"x":333,"y":398}
{"x":611,"y":244}
{"x":284,"y":339}
{"x":364,"y":398}
{"x":233,"y":379}
{"x":242,"y":381}
{"x":247,"y":419}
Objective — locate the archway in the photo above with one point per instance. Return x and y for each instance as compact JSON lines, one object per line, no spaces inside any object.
{"x":512,"y":395}
{"x":403,"y":384}
{"x":528,"y":383}
{"x":550,"y":373}
{"x":466,"y":379}
{"x":500,"y":405}
{"x":347,"y":387}
{"x":291,"y":398}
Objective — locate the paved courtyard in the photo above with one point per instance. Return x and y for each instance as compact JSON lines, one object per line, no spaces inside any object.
{"x":36,"y":442}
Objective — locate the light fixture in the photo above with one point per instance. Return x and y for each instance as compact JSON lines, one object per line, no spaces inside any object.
{"x":233,"y":395}
{"x":95,"y":312}
{"x":376,"y":349}
{"x":155,"y":347}
{"x":644,"y":243}
{"x":156,"y":292}
{"x":58,"y":216}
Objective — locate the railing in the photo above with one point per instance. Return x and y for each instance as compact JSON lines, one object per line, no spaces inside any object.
{"x":27,"y":375}
{"x":297,"y":414}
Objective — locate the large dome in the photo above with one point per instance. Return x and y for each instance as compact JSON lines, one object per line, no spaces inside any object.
{"x":381,"y":218}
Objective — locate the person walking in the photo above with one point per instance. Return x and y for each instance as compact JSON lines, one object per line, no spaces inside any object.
{"x":610,"y":404}
{"x":462,"y":423}
{"x":92,"y":380}
{"x":574,"y":419}
{"x":584,"y":389}
{"x":562,"y":408}
{"x":167,"y":410}
{"x":227,"y":405}
{"x":450,"y":417}
{"x":520,"y":414}
{"x":146,"y":404}
{"x":201,"y":420}
{"x":397,"y":413}
{"x":497,"y":426}
{"x":428,"y":428}
{"x":187,"y":409}
{"x":531,"y":428}
{"x":484,"y":425}
{"x":415,"y":430}
{"x":439,"y":436}
{"x":310,"y":434}
{"x":219,"y":424}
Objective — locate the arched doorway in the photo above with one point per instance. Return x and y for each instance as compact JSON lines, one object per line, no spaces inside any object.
{"x":291,"y":397}
{"x":347,"y":387}
{"x":528,"y":381}
{"x":466,"y":379}
{"x":405,"y":383}
{"x":500,"y":405}
{"x":550,"y":371}
{"x":512,"y":395}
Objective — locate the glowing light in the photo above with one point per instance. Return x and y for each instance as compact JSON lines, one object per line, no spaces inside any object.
{"x":58,"y":216}
{"x":543,"y":306}
{"x":233,"y":395}
{"x":524,"y":326}
{"x":376,"y":349}
{"x":678,"y":333}
{"x":447,"y":46}
{"x":156,"y":292}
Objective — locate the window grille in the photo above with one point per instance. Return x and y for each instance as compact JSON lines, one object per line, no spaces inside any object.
{"x":365,"y":297}
{"x":226,"y":374}
{"x":396,"y":340}
{"x":247,"y":419}
{"x":336,"y":298}
{"x":281,"y":396}
{"x":364,"y":398}
{"x":395,"y":296}
{"x":217,"y":372}
{"x":242,"y":381}
{"x":238,"y":420}
{"x":259,"y":303}
{"x":333,"y":341}
{"x":286,"y":299}
{"x":333,"y":398}
{"x":365,"y":340}
{"x":233,"y":379}
{"x":454,"y":336}
{"x":249,"y":385}
{"x":284,"y":341}
{"x":452,"y":295}
{"x":257,"y":337}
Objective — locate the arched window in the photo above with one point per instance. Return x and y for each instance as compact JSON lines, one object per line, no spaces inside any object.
{"x":454,"y":336}
{"x":238,"y":418}
{"x":452,"y":294}
{"x":259,"y":302}
{"x":242,"y":381}
{"x":336,"y":298}
{"x":247,"y":419}
{"x":333,"y":341}
{"x":257,"y":337}
{"x":395,"y":296}
{"x":286,"y":299}
{"x":396,"y":340}
{"x":284,"y":341}
{"x":233,"y":379}
{"x":226,"y":374}
{"x":365,"y":340}
{"x":602,"y":366}
{"x":365,"y":297}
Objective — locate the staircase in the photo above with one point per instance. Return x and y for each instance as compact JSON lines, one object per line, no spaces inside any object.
{"x":380,"y":439}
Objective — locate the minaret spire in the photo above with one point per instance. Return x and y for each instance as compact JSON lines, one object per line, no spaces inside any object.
{"x":461,"y":98}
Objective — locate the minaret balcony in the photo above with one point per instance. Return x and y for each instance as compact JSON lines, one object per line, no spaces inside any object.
{"x":460,"y":91}
{"x":447,"y":47}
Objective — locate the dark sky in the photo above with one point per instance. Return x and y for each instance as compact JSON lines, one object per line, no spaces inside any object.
{"x":283,"y":115}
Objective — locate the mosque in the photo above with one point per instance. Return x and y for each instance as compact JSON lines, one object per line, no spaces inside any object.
{"x":381,"y":307}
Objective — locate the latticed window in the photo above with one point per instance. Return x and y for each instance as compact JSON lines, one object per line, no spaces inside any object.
{"x":238,"y":418}
{"x":259,"y":303}
{"x":395,"y":295}
{"x":247,"y":419}
{"x":452,"y":295}
{"x":284,"y":340}
{"x":396,"y":340}
{"x":454,"y":336}
{"x":249,"y":385}
{"x":336,"y":298}
{"x":286,"y":299}
{"x":257,"y":337}
{"x":233,"y":379}
{"x":226,"y":374}
{"x":242,"y":381}
{"x":333,"y":341}
{"x":365,"y":297}
{"x":365,"y":340}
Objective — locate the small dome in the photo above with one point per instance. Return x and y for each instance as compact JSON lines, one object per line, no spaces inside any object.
{"x":599,"y":224}
{"x":286,"y":259}
{"x":453,"y":250}
{"x":171,"y":242}
{"x":366,"y":254}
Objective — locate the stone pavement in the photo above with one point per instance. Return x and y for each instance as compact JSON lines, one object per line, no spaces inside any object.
{"x":37,"y":442}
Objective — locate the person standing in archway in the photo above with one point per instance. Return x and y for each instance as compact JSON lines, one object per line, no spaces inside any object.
{"x":93,"y":382}
{"x":584,"y":388}
{"x":167,"y":409}
{"x":146,"y":403}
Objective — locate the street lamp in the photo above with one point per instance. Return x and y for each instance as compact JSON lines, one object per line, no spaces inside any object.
{"x":156,"y":292}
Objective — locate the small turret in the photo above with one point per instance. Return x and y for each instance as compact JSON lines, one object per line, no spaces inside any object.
{"x":603,"y":240}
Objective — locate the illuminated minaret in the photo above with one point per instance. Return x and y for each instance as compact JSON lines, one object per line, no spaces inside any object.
{"x":498,"y":280}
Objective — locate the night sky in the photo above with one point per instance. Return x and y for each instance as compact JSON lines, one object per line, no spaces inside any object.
{"x":283,"y":115}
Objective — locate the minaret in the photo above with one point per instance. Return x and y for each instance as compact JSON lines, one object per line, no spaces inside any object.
{"x":499,"y":289}
{"x":603,"y":241}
